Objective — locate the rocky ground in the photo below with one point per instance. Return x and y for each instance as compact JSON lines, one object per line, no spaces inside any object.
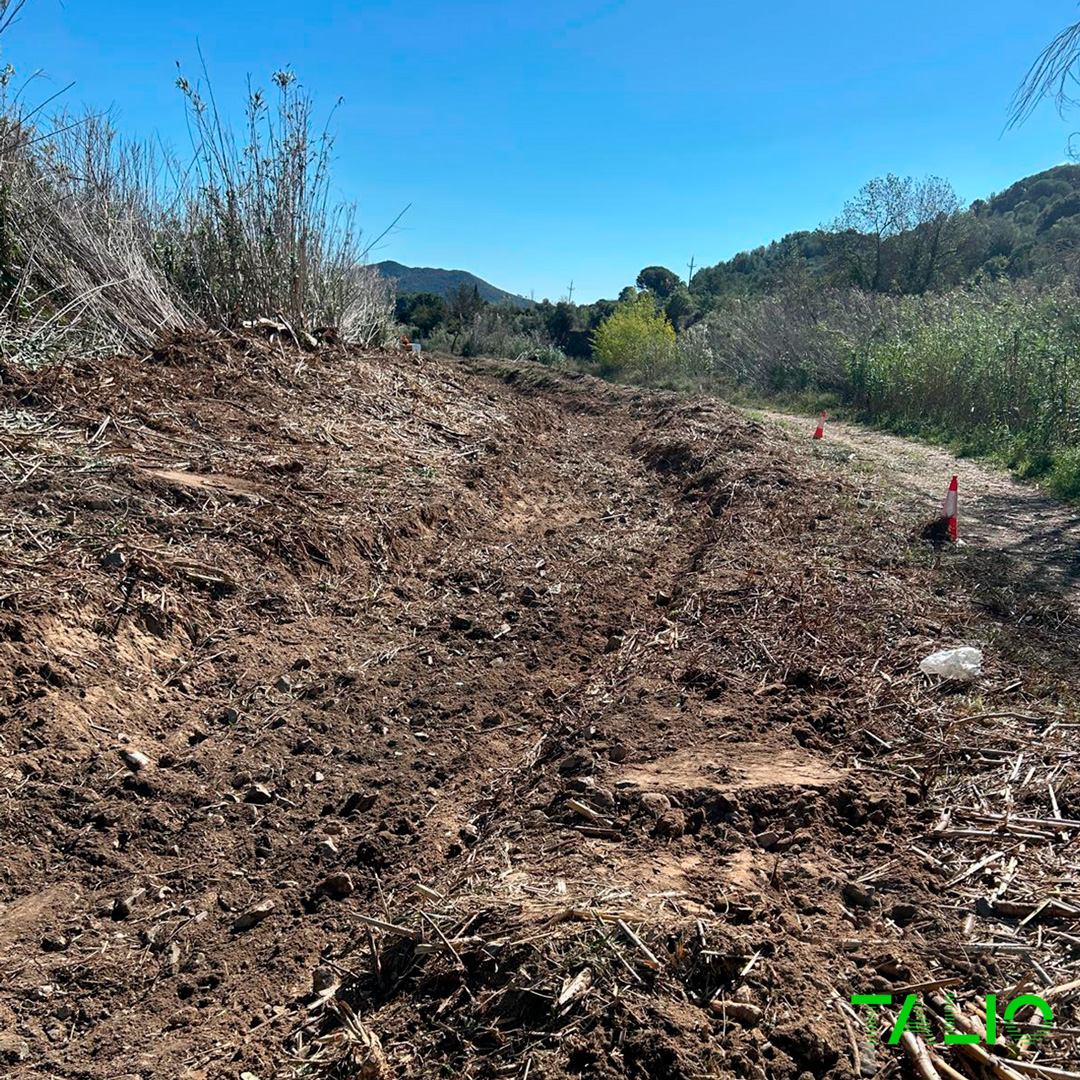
{"x":388,"y":716}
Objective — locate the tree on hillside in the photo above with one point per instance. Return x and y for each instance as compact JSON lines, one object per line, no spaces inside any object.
{"x":659,"y":280}
{"x":933,"y":234}
{"x":679,"y":306}
{"x":898,"y":233}
{"x":560,"y":321}
{"x":465,"y":305}
{"x":879,"y":211}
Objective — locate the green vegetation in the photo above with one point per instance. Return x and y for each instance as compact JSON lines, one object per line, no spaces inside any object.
{"x":636,"y":342}
{"x":959,"y":325}
{"x":994,"y":373}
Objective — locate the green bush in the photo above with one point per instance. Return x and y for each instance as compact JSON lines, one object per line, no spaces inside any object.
{"x":636,"y":342}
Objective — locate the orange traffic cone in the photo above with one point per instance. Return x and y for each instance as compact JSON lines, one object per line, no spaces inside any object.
{"x":820,"y":433}
{"x":949,"y":507}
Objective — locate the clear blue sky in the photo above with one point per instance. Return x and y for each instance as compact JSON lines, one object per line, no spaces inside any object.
{"x":544,"y":142}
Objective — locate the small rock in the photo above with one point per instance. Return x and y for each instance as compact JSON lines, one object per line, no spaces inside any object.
{"x":670,"y":824}
{"x":740,"y":1011}
{"x":358,"y":803}
{"x":282,"y":685}
{"x":618,"y":753}
{"x":188,"y":1016}
{"x":301,"y":663}
{"x":54,"y":943}
{"x":767,"y":840}
{"x":655,"y":803}
{"x":258,"y":795}
{"x":134,"y":760}
{"x":577,"y":762}
{"x":326,"y":849}
{"x":615,"y":641}
{"x":902,"y":914}
{"x":322,"y":979}
{"x":253,"y":916}
{"x":54,"y":676}
{"x":855,"y":895}
{"x":13,"y":1050}
{"x":459,"y":622}
{"x":602,"y":797}
{"x":337,"y":886}
{"x":869,"y":1060}
{"x":123,"y":906}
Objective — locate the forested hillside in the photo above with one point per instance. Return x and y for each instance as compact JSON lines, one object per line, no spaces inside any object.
{"x":907,"y":309}
{"x":900,"y":235}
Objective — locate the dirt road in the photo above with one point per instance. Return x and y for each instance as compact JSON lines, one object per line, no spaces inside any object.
{"x":363,"y":716}
{"x":997,"y":513}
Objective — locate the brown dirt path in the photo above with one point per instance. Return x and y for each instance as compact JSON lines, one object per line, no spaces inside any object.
{"x":550,"y":728}
{"x":1040,"y":534}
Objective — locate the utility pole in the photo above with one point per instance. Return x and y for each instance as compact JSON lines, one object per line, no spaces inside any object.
{"x":691,"y":277}
{"x":570,"y":298}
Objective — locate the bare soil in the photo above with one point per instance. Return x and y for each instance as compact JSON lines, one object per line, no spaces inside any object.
{"x":481,"y":721}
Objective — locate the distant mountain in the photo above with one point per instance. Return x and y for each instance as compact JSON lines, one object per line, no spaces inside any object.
{"x":428,"y":279}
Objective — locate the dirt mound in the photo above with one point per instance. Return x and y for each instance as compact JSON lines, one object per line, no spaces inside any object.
{"x":372,"y":715}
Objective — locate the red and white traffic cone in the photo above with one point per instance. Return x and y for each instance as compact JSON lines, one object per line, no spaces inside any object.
{"x":948,"y":508}
{"x":820,"y":433}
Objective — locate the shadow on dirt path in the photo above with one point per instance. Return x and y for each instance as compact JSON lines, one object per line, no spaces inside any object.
{"x":997,"y":513}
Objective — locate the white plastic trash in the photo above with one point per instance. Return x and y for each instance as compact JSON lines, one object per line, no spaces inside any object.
{"x":963,"y":664}
{"x":415,"y":347}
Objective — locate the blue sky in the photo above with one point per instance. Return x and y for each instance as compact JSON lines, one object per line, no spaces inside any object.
{"x":540,"y":143}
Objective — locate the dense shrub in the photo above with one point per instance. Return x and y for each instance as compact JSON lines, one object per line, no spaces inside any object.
{"x":636,"y":342}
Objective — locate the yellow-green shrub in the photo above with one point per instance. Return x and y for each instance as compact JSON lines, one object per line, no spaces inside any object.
{"x":636,"y":342}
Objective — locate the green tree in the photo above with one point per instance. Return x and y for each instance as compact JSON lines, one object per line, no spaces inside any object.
{"x":680,"y":307}
{"x":465,"y":305}
{"x":659,"y":280}
{"x":637,"y":342}
{"x":425,"y":311}
{"x":560,"y":321}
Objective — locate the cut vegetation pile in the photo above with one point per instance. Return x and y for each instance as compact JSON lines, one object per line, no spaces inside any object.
{"x":364,"y":716}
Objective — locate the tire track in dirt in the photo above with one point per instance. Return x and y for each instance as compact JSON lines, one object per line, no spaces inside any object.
{"x":497,"y":657}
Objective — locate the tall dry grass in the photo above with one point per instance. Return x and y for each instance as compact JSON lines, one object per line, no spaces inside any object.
{"x":105,"y":241}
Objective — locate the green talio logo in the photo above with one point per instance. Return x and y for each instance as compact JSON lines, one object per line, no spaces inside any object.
{"x":913,"y":1018}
